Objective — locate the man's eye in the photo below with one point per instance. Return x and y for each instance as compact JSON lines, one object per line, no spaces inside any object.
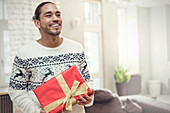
{"x":58,"y":15}
{"x":48,"y":15}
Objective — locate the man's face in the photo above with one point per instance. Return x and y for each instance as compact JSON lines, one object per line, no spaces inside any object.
{"x":50,"y":20}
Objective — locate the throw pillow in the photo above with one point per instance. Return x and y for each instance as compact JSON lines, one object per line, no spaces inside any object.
{"x":105,"y":102}
{"x":131,"y":107}
{"x":103,"y":96}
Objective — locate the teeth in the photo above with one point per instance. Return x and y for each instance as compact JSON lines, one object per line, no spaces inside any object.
{"x":56,"y":25}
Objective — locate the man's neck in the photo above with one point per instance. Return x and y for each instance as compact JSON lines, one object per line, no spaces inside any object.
{"x":50,"y":41}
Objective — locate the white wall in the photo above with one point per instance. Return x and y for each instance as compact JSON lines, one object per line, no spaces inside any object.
{"x":110,"y":43}
{"x":71,"y":9}
{"x":153,"y":56}
{"x":159,"y":65}
{"x":168,"y":29}
{"x":153,"y":53}
{"x":144,"y":46}
{"x":132,"y":36}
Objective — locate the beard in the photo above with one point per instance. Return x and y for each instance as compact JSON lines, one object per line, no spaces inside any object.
{"x":50,"y":32}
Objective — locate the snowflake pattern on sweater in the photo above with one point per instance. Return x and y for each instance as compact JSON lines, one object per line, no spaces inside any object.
{"x":29,"y":73}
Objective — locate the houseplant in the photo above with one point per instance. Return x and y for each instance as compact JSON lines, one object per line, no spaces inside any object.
{"x":121,"y":79}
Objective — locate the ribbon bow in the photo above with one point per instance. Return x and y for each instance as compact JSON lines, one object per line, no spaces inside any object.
{"x":69,"y":99}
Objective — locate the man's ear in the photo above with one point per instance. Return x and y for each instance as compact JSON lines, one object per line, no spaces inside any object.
{"x":37,"y":23}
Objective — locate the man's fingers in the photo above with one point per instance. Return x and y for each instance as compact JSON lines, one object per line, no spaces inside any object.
{"x":87,"y":99}
{"x":92,"y":92}
{"x":82,"y":99}
{"x":80,"y":102}
{"x":43,"y":111}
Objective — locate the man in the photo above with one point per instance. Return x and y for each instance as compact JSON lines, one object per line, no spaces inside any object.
{"x":41,"y":60}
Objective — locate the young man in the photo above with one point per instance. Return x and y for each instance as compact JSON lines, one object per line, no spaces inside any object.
{"x":41,"y":60}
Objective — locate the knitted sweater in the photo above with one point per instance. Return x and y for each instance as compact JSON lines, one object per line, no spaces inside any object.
{"x":35,"y":64}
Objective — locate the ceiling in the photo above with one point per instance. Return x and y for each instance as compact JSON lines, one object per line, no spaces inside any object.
{"x":144,"y":3}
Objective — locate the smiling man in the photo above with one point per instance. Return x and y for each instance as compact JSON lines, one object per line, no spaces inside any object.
{"x":40,"y":60}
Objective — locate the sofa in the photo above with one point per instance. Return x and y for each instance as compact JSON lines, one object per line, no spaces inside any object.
{"x":107,"y":102}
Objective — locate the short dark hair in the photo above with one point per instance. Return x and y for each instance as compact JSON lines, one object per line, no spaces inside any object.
{"x":38,"y":10}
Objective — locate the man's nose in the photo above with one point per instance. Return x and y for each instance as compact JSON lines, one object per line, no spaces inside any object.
{"x":55,"y":18}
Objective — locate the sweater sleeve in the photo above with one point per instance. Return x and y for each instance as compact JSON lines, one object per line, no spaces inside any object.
{"x":18,"y":88}
{"x":86,"y":75}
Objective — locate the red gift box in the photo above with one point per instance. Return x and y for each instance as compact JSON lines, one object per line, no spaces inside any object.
{"x":62,"y":91}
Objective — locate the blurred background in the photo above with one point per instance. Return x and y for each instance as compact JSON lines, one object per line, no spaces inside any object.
{"x":134,"y":34}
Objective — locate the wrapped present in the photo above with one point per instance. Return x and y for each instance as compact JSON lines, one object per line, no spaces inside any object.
{"x":62,"y":91}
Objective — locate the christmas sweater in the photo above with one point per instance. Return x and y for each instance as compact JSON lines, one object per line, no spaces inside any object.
{"x":35,"y":64}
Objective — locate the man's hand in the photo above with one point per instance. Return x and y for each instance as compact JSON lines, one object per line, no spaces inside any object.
{"x":83,"y":101}
{"x":87,"y":99}
{"x":43,"y":111}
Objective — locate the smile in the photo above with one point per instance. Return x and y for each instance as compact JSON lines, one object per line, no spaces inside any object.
{"x":55,"y":25}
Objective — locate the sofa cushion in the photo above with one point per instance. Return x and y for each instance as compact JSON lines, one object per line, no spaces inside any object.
{"x":103,"y":96}
{"x":149,"y":105}
{"x":131,"y":106}
{"x":105,"y":102}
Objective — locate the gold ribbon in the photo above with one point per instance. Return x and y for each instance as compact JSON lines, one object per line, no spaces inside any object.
{"x":69,"y":99}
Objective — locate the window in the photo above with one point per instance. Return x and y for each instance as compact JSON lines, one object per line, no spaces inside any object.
{"x":128,"y":40}
{"x":92,"y":39}
{"x":168,"y":33}
{"x":3,"y":10}
{"x":4,"y":45}
{"x":6,"y":55}
{"x":91,"y":12}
